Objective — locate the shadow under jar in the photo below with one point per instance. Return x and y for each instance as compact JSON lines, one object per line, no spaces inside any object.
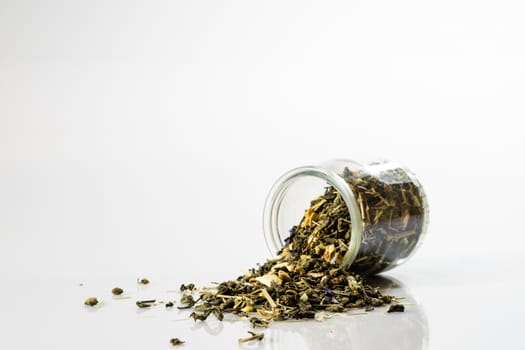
{"x":372,"y":215}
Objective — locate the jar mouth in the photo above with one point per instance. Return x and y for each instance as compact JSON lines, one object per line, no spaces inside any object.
{"x":279,"y":194}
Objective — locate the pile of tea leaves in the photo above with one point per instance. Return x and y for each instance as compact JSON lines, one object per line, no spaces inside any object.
{"x":307,"y":278}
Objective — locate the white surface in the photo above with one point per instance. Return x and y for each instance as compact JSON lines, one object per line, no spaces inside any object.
{"x":140,"y":139}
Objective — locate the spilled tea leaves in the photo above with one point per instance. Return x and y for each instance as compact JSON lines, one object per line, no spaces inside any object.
{"x":308,"y":279}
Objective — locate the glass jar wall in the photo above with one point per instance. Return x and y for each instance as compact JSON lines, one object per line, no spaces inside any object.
{"x":375,"y":213}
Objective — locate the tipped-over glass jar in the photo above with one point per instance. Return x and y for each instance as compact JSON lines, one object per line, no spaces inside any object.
{"x":371,"y":217}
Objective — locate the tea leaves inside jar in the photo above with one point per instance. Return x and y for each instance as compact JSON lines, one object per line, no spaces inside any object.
{"x":391,"y":205}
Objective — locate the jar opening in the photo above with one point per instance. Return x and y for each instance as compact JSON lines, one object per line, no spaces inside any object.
{"x":291,"y":195}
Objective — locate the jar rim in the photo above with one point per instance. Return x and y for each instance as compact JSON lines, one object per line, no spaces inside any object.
{"x":277,"y":194}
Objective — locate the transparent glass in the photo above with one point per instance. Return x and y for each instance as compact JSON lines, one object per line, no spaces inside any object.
{"x":387,"y":210}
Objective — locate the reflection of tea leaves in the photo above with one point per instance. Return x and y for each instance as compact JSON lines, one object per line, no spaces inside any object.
{"x":213,"y":328}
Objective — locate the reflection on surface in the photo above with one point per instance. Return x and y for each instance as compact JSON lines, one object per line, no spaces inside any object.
{"x":373,"y":330}
{"x":210,"y":328}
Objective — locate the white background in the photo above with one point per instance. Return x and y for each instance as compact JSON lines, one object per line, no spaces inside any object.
{"x":141,"y":138}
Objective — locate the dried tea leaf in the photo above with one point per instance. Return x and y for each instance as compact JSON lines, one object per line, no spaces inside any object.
{"x":284,"y":276}
{"x":187,"y":301}
{"x":117,"y":291}
{"x":189,"y":287}
{"x":254,"y":336}
{"x":200,"y":316}
{"x":91,"y":301}
{"x":145,"y":303}
{"x":268,"y":279}
{"x":176,"y":341}
{"x":257,"y":322}
{"x":396,"y":308}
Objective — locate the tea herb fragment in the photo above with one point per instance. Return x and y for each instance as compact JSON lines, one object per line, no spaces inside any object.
{"x":143,"y":281}
{"x":200,"y":316}
{"x":258,"y":322}
{"x":176,"y":341}
{"x":91,"y":301}
{"x":396,"y":308}
{"x":254,"y":336}
{"x":187,"y":301}
{"x":169,"y":304}
{"x":117,"y":291}
{"x":145,"y":303}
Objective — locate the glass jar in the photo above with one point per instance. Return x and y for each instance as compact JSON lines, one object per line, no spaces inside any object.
{"x":386,"y":214}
